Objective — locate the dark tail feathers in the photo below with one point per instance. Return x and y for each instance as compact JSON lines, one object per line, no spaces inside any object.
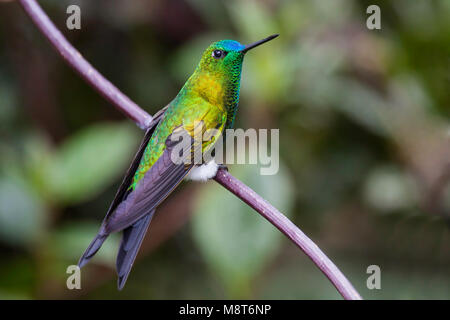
{"x":93,"y":248}
{"x":131,"y":241}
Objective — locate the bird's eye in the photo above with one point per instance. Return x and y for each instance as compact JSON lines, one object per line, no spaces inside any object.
{"x":217,"y":54}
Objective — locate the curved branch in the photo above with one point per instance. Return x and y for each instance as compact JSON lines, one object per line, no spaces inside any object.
{"x":133,"y":111}
{"x":275,"y":217}
{"x":76,"y":61}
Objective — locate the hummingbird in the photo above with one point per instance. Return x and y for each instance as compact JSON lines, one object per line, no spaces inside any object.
{"x":209,"y":97}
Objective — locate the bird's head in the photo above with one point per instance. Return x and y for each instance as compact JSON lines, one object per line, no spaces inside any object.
{"x":226,"y":56}
{"x":217,"y":76}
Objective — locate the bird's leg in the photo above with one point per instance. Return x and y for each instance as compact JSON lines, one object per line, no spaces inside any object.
{"x":223,"y":167}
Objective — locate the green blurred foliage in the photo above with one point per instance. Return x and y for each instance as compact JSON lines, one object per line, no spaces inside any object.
{"x":363,"y":118}
{"x":22,"y":214}
{"x":237,"y":243}
{"x":93,"y":156}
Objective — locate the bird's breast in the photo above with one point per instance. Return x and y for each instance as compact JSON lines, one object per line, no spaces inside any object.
{"x":211,"y":88}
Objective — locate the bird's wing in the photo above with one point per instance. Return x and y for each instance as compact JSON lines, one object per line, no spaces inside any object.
{"x":122,"y":192}
{"x":126,"y":182}
{"x":134,"y":234}
{"x":157,"y":183}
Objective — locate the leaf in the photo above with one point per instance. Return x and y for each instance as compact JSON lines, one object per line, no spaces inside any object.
{"x":235,"y":241}
{"x":389,"y":189}
{"x":89,"y":161}
{"x":22,"y":215}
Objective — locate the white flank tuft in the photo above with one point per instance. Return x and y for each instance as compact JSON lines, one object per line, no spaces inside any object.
{"x":203,"y":172}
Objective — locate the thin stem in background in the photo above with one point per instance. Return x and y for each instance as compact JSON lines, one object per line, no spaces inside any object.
{"x":76,"y":61}
{"x":89,"y":74}
{"x":291,"y":231}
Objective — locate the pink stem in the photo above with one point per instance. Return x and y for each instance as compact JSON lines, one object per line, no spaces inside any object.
{"x":76,"y":61}
{"x":143,"y":119}
{"x":291,"y":231}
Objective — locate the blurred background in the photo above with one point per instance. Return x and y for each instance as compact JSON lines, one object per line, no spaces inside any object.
{"x":364,"y":147}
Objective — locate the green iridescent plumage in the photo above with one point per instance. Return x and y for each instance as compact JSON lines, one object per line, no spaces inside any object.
{"x":210,"y":96}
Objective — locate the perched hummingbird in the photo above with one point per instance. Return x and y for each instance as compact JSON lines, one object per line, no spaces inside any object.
{"x":210,"y":97}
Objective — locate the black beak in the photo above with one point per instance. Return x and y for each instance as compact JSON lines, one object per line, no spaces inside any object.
{"x":257,"y":43}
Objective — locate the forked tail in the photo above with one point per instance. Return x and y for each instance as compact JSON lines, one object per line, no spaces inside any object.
{"x":131,"y":241}
{"x":93,"y":248}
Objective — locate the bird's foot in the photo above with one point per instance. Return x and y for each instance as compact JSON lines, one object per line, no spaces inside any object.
{"x":223,"y":167}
